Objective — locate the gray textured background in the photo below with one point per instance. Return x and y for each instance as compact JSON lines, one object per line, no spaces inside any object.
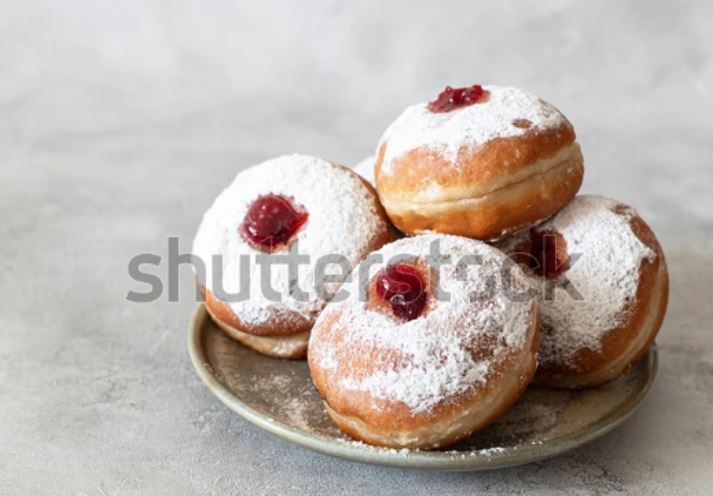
{"x":120,"y":121}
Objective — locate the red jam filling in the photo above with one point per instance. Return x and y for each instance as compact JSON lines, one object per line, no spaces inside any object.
{"x":549,"y":254}
{"x":453,"y":98}
{"x":403,"y":288}
{"x":272,"y":221}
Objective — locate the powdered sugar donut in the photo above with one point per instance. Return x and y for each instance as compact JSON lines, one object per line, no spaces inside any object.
{"x":604,"y":294}
{"x":427,"y":347}
{"x":257,"y":230}
{"x":480,"y":162}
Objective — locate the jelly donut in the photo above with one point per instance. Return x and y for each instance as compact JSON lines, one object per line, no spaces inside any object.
{"x":604,"y":290}
{"x":271,"y":214}
{"x":482,"y":162}
{"x":425,"y":348}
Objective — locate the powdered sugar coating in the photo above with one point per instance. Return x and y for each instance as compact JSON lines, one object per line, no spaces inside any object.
{"x":606,"y":275}
{"x":449,"y":351}
{"x":470,"y":126}
{"x":343,"y":221}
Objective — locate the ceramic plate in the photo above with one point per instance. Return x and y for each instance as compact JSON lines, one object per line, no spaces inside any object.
{"x":278,"y":396}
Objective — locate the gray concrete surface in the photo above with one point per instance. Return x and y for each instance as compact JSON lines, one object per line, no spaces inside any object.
{"x":120,"y":121}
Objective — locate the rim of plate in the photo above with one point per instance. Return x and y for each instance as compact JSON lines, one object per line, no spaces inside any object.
{"x":486,"y":459}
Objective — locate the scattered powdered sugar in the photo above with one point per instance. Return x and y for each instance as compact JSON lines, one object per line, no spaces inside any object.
{"x":342,"y":221}
{"x":486,"y":452}
{"x":472,"y":125}
{"x":365,"y":169}
{"x":377,"y":449}
{"x":450,"y":350}
{"x":491,"y":452}
{"x":606,"y":275}
{"x":297,"y":411}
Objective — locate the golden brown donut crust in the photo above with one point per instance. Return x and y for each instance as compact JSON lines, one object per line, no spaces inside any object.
{"x":392,"y":424}
{"x":281,"y":346}
{"x":291,"y":322}
{"x":503,"y":186}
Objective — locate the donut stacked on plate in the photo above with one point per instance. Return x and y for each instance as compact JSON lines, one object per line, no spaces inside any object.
{"x":292,"y":204}
{"x":430,"y":355}
{"x":603,"y":290}
{"x":505,"y":276}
